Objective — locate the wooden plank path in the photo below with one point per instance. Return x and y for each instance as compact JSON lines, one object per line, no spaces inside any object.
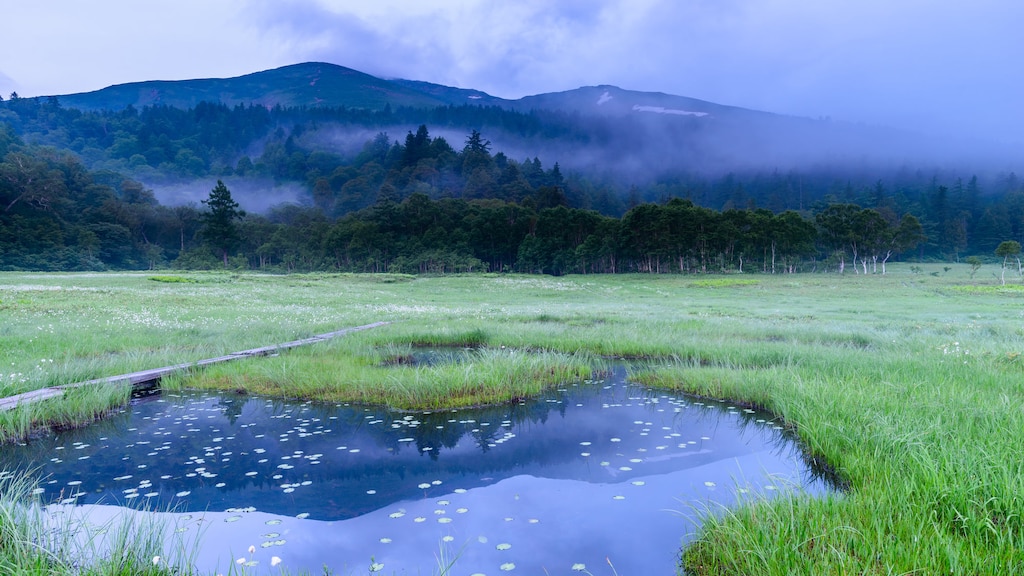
{"x":154,"y":375}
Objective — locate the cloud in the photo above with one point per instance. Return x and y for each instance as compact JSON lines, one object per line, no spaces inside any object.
{"x":916,"y":64}
{"x":7,"y":85}
{"x":253,"y":195}
{"x":84,"y":46}
{"x":939,"y":68}
{"x":312,"y":32}
{"x":946,"y":67}
{"x":511,"y":49}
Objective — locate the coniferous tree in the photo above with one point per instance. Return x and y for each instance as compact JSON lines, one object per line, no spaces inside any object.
{"x":219,"y":223}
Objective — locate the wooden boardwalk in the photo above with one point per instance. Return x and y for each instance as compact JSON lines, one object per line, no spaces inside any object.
{"x":154,"y":375}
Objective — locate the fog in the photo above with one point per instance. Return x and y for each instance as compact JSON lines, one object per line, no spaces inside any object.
{"x":642,"y":147}
{"x":938,"y":68}
{"x":256,"y":195}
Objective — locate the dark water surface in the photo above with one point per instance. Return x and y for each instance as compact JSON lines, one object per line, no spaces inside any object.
{"x":594,"y":473}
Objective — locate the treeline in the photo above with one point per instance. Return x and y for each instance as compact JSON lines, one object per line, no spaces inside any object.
{"x":961,"y":215}
{"x":213,"y":139}
{"x":56,"y":215}
{"x":424,"y":206}
{"x":420,"y":235}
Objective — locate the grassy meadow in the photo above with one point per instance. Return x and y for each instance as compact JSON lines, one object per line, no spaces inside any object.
{"x":910,"y":386}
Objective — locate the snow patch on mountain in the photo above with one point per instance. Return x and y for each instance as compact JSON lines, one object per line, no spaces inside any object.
{"x":663,"y":110}
{"x":604,"y":98}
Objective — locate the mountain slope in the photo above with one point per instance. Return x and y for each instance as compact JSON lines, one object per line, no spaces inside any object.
{"x":322,"y":84}
{"x":608,"y":100}
{"x":454,"y":96}
{"x":633,"y":134}
{"x":308,"y":84}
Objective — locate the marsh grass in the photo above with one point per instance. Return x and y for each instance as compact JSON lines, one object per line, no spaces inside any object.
{"x":173,"y":279}
{"x":38,"y":540}
{"x":356,"y":371}
{"x":724,"y":282}
{"x":77,"y":407}
{"x":920,"y":437}
{"x":1008,"y":289}
{"x":909,"y":385}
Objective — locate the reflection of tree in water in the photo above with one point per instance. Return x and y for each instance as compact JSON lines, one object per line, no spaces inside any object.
{"x":260,"y":433}
{"x":436,"y":432}
{"x":232,"y":407}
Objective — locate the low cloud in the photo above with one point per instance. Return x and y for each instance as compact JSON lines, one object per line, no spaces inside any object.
{"x":939,"y":69}
{"x":7,"y":85}
{"x":252,"y":195}
{"x":943,"y":68}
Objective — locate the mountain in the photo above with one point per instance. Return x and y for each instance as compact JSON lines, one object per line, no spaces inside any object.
{"x":309,"y":84}
{"x":323,"y":84}
{"x":454,"y":96}
{"x":330,"y":137}
{"x":608,"y":100}
{"x":604,"y":129}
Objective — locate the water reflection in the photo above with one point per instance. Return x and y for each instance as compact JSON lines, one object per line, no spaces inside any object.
{"x":591,"y":471}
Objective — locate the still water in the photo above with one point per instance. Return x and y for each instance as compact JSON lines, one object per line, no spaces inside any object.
{"x":595,"y":475}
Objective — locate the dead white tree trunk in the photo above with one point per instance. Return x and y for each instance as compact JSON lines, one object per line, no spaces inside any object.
{"x":884,"y":260}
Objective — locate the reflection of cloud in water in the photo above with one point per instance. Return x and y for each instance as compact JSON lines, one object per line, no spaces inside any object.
{"x":549,"y":523}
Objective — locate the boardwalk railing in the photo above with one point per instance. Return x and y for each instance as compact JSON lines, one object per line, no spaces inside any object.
{"x":155,"y":374}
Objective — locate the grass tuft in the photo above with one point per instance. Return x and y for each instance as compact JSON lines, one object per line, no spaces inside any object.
{"x":173,"y":279}
{"x":365,"y":374}
{"x":37,"y":540}
{"x":78,"y":407}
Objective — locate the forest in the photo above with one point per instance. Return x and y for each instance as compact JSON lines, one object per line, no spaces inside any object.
{"x":76,"y":193}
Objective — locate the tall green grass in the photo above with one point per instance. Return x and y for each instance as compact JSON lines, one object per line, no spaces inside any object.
{"x":46,"y":541}
{"x":355,"y":371}
{"x":77,"y":407}
{"x":926,"y":442}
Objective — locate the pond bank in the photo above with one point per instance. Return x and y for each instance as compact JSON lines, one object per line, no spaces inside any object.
{"x":154,"y":375}
{"x":544,"y":483}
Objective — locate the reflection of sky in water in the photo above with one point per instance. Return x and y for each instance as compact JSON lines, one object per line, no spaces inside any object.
{"x":578,"y":475}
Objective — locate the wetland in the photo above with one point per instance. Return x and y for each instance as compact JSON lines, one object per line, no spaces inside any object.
{"x":907,"y":386}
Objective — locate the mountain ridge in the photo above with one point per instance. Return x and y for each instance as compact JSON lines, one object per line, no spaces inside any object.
{"x":601,"y":129}
{"x":324,"y":84}
{"x":304,"y":84}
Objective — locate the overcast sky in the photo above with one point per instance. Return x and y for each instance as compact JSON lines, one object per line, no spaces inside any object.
{"x":947,"y":67}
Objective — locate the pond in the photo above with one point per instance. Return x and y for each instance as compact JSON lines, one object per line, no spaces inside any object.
{"x":603,"y":475}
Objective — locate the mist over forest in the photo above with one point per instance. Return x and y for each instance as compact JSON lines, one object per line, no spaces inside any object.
{"x":94,"y":187}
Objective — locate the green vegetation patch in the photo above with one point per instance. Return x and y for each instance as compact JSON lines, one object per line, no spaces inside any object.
{"x":441,"y":338}
{"x":78,"y":407}
{"x":1008,"y":289}
{"x":173,"y":279}
{"x":723,"y":282}
{"x":914,"y":435}
{"x":35,"y":541}
{"x":364,"y":374}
